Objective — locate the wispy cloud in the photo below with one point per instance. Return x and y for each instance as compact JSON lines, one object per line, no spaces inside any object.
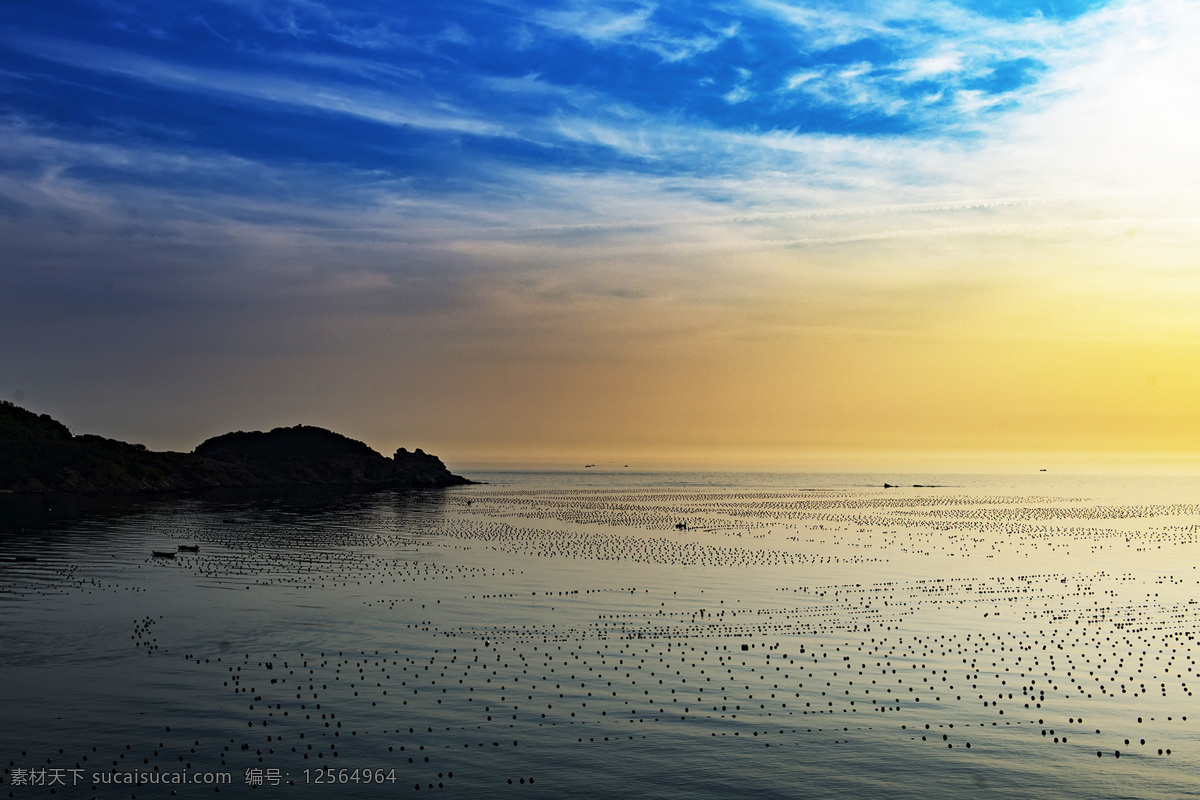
{"x":637,"y":28}
{"x":385,"y":107}
{"x":597,"y":23}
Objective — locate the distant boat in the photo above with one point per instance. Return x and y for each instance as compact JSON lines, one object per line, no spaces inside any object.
{"x":189,"y":548}
{"x":163,"y":553}
{"x":24,"y":558}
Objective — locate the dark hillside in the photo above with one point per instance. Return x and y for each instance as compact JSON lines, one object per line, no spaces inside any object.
{"x":300,"y":455}
{"x":39,"y":454}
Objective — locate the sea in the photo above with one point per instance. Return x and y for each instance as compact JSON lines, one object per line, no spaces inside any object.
{"x":612,"y":634}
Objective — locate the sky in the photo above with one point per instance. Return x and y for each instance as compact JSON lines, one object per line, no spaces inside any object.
{"x":743,"y":233}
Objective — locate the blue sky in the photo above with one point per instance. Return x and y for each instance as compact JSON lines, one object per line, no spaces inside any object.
{"x":567,"y":86}
{"x":450,"y":97}
{"x":286,"y":197}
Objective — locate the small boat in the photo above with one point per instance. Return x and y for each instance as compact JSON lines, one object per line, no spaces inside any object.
{"x":163,"y":553}
{"x":189,"y":548}
{"x":24,"y":558}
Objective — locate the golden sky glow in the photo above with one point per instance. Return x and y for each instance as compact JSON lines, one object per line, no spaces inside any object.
{"x":976,"y":243}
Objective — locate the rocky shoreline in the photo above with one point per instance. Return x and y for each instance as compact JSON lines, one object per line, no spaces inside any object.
{"x":39,"y":454}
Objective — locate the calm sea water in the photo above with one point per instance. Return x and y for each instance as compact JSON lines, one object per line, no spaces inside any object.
{"x":602,"y":635}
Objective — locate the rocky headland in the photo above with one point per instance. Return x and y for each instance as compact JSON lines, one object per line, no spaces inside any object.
{"x":40,"y":454}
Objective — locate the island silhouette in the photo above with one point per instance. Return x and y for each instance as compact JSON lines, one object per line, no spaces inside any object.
{"x":40,"y":454}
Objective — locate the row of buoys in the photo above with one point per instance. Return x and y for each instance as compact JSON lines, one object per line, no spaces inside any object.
{"x":499,"y":660}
